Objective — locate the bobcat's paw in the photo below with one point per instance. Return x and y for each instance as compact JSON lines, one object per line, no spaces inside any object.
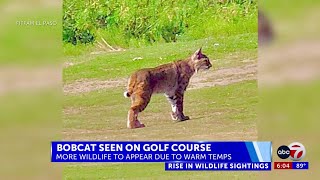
{"x":184,"y":118}
{"x":176,"y":117}
{"x":139,"y":125}
{"x":135,"y":124}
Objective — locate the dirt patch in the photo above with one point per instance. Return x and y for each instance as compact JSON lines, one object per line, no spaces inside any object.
{"x":220,"y":77}
{"x":83,"y":86}
{"x":297,"y":63}
{"x":223,"y":77}
{"x":24,"y":79}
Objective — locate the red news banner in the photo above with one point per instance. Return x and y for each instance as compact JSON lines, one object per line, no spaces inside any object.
{"x":291,"y":165}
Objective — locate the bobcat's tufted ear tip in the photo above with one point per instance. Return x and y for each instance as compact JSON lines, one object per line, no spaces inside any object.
{"x":197,"y":54}
{"x":199,"y":51}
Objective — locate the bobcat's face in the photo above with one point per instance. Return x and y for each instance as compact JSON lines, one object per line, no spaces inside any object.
{"x":200,"y":61}
{"x":203,"y":63}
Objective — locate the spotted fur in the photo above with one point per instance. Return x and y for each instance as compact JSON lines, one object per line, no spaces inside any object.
{"x":171,"y":79}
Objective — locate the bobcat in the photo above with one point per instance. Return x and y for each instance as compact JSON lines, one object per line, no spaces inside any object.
{"x":171,"y":79}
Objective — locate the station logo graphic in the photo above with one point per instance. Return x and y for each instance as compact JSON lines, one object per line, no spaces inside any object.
{"x":295,"y":151}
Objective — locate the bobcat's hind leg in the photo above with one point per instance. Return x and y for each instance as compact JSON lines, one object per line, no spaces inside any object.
{"x":139,"y":103}
{"x":133,"y":121}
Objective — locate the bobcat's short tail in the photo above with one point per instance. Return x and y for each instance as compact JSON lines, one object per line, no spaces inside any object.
{"x":131,"y":84}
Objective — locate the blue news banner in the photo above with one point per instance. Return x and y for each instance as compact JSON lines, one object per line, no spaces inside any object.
{"x":233,"y":156}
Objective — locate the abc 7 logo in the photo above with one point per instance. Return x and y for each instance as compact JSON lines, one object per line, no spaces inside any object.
{"x":295,"y":151}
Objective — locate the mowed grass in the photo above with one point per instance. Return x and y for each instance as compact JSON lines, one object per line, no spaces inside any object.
{"x":217,"y":113}
{"x":144,"y":171}
{"x":223,"y":51}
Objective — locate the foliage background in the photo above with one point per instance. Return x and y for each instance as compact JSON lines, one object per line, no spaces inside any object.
{"x":132,"y":23}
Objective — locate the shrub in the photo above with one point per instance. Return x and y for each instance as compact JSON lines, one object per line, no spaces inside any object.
{"x":150,"y":21}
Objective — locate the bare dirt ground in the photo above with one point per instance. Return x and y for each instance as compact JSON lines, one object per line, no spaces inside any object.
{"x":83,"y":86}
{"x":220,"y":77}
{"x":223,"y":77}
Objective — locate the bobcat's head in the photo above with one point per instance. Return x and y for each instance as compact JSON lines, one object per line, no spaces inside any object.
{"x":200,"y":61}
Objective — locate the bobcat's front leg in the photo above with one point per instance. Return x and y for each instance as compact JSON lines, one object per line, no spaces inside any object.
{"x":176,"y":102}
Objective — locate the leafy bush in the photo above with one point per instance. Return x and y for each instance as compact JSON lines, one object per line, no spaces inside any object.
{"x":122,"y":22}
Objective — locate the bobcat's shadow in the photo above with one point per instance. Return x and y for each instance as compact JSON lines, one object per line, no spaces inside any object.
{"x":199,"y":117}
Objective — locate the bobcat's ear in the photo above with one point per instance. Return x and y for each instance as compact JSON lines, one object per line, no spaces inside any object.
{"x":197,"y":55}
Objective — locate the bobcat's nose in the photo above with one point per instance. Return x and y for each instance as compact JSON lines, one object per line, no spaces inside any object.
{"x":209,"y":66}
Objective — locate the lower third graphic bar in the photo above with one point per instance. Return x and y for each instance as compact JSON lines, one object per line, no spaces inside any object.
{"x":217,"y":166}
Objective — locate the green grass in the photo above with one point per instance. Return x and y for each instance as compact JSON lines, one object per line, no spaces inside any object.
{"x":212,"y":110}
{"x":292,"y":106}
{"x":129,"y":23}
{"x":228,"y":37}
{"x":230,"y":51}
{"x":218,"y":113}
{"x":70,"y":50}
{"x":144,"y":171}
